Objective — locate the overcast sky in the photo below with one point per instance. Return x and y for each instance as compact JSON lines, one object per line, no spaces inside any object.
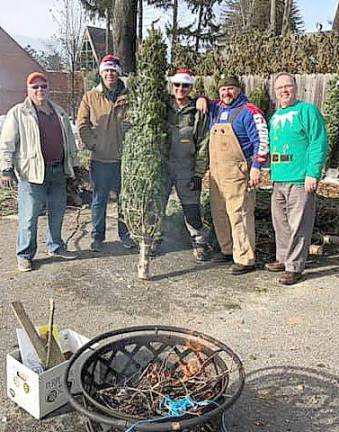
{"x":32,"y":18}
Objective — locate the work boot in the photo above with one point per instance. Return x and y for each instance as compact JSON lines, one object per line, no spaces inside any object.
{"x":24,"y":265}
{"x":290,"y":278}
{"x":202,"y":252}
{"x":63,"y":253}
{"x":237,"y":269}
{"x":222,"y":258}
{"x":128,"y":243}
{"x":96,"y":246}
{"x":275,"y":266}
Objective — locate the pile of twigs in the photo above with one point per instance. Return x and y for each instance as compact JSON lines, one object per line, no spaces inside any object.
{"x":161,"y":383}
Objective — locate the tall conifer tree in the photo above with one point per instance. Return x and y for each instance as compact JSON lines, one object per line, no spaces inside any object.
{"x":144,"y":156}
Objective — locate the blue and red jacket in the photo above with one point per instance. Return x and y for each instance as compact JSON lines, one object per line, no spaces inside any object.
{"x":248,"y":124}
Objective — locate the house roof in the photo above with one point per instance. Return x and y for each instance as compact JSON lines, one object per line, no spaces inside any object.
{"x":97,"y":37}
{"x":16,"y":64}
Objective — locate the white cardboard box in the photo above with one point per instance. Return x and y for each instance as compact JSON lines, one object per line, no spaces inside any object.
{"x":40,"y":394}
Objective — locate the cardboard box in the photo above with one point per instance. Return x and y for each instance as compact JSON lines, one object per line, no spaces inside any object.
{"x":40,"y":394}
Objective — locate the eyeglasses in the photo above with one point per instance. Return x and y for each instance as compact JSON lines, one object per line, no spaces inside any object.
{"x":284,"y":87}
{"x":183,"y":85}
{"x":37,"y":86}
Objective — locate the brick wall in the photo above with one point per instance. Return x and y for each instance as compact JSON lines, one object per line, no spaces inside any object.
{"x":60,"y":89}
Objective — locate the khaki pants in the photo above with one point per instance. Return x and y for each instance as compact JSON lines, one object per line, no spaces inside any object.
{"x":232,"y":204}
{"x":293,"y":211}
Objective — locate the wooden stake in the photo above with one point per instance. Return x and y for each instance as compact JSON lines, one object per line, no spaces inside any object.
{"x":50,"y":331}
{"x":53,"y":356}
{"x":27,"y":325}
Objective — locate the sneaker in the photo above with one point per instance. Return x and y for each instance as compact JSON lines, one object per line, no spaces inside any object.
{"x":63,"y":253}
{"x":128,"y":243}
{"x":24,"y":265}
{"x":222,"y":258}
{"x":96,"y":246}
{"x":290,"y":278}
{"x":275,"y":266}
{"x":202,"y":252}
{"x":237,"y":269}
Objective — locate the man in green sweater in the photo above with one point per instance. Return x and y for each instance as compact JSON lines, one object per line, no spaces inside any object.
{"x":299,"y":145}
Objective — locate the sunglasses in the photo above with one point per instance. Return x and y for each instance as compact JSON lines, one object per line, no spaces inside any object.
{"x":37,"y":86}
{"x":183,"y":85}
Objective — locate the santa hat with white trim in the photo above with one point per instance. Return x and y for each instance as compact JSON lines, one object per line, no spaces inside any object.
{"x":110,"y":62}
{"x":183,"y":76}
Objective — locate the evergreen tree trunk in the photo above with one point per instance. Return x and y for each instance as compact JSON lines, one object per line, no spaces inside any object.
{"x":124,"y":32}
{"x":144,"y":165}
{"x":286,"y":17}
{"x":273,"y":21}
{"x":109,"y":41}
{"x":197,"y":39}
{"x":174,"y":29}
{"x":140,"y":20}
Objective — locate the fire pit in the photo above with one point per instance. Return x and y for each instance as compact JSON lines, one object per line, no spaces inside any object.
{"x":155,"y":378}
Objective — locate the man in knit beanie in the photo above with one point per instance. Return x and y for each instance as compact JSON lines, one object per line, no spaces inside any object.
{"x":238,"y":148}
{"x":100,"y":128}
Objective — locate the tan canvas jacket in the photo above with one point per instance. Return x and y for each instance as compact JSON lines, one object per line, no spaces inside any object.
{"x":20,"y":146}
{"x":100,"y":124}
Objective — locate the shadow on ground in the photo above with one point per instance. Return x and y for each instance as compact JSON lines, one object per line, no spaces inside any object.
{"x":287,"y":399}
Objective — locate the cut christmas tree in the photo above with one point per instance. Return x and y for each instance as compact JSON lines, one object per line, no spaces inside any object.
{"x":144,"y":164}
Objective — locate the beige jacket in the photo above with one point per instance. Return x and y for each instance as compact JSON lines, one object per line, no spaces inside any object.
{"x":20,"y":146}
{"x":100,"y":124}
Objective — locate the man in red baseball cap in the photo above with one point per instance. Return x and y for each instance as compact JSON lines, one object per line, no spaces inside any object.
{"x":100,"y":128}
{"x":37,"y":148}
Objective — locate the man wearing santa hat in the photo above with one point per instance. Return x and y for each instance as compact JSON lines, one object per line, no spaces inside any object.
{"x":188,"y":157}
{"x":37,"y":149}
{"x":99,"y":121}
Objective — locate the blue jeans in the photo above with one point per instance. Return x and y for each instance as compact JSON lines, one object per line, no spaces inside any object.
{"x":105,"y":177}
{"x":32,"y":200}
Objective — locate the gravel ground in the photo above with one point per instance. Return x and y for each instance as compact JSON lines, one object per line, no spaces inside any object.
{"x":286,"y":337}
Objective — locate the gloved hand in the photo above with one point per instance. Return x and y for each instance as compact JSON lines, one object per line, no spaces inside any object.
{"x":8,"y":179}
{"x":195,"y":183}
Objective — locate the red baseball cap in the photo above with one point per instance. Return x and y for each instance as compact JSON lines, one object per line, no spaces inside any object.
{"x":34,"y":76}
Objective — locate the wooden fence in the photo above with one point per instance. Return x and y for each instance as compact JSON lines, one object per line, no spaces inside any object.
{"x":311,"y":88}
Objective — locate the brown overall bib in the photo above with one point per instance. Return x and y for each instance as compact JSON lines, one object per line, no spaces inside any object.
{"x":232,"y":204}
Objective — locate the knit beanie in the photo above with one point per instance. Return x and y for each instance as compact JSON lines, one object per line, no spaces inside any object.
{"x":230,"y":81}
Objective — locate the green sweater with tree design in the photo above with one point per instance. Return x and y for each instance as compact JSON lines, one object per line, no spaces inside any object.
{"x":298,"y":142}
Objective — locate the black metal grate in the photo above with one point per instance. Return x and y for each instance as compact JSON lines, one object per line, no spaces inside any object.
{"x":121,"y":357}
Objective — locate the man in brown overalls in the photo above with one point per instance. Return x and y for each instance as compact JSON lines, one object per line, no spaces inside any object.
{"x":238,"y":148}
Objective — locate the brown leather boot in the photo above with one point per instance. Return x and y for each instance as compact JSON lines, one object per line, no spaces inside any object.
{"x":275,"y":266}
{"x":237,"y":269}
{"x":290,"y":278}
